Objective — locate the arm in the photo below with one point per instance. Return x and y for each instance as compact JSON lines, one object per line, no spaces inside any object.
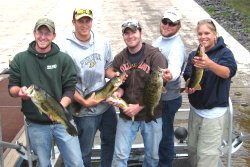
{"x":133,"y":109}
{"x":65,"y":101}
{"x":206,"y":62}
{"x":167,"y":75}
{"x":91,"y":101}
{"x":176,"y":60}
{"x":110,"y":73}
{"x":16,"y":91}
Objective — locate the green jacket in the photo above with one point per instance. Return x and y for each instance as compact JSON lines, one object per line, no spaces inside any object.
{"x":54,"y":72}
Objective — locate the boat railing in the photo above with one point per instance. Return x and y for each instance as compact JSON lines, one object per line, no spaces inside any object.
{"x":227,"y":146}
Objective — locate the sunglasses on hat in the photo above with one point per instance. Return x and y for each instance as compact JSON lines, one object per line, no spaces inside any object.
{"x":83,"y":11}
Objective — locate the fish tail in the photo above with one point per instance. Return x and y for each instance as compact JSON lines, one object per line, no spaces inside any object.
{"x":71,"y":130}
{"x":150,"y":118}
{"x":153,"y":118}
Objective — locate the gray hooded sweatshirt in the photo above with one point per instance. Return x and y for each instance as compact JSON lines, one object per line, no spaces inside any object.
{"x":91,"y":58}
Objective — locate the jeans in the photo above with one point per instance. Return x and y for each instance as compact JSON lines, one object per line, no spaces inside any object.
{"x":166,"y":149}
{"x":87,"y":128}
{"x":126,"y":133}
{"x":40,"y":137}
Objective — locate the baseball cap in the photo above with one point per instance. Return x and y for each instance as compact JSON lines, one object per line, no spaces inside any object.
{"x":45,"y":22}
{"x":79,"y":13}
{"x":132,"y":24}
{"x":172,"y":15}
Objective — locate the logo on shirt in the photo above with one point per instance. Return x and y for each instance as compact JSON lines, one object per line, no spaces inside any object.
{"x":90,"y":61}
{"x":143,"y":66}
{"x":50,"y":67}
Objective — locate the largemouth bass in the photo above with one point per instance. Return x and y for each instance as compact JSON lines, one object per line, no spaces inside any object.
{"x":50,"y":106}
{"x":152,"y":92}
{"x":197,"y":73}
{"x":110,"y":87}
{"x":121,"y":103}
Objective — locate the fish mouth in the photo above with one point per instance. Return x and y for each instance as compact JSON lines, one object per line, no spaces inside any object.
{"x":161,"y":70}
{"x":30,"y":90}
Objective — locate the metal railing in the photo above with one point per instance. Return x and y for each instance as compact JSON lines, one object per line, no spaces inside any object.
{"x":30,"y":156}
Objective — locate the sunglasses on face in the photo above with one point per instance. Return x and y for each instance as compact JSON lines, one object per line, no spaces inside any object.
{"x":83,"y":11}
{"x":168,"y":22}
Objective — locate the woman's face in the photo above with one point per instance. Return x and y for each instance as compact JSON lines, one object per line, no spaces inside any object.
{"x":206,"y":36}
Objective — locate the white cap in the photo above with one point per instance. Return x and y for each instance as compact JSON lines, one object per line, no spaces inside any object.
{"x":172,"y":15}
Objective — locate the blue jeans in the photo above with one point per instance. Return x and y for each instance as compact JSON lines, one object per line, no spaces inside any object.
{"x":40,"y":137}
{"x":125,"y":135}
{"x":87,"y":128}
{"x":166,"y":149}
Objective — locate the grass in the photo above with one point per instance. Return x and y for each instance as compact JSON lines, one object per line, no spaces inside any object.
{"x":210,"y":10}
{"x":242,"y":6}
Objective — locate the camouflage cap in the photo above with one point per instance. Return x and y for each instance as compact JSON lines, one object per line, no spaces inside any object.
{"x":45,"y":22}
{"x":132,"y":24}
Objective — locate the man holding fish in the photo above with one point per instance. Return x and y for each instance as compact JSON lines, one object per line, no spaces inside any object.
{"x":172,"y":47}
{"x":210,"y":69}
{"x":93,"y":58}
{"x":143,"y":64}
{"x":44,"y":65}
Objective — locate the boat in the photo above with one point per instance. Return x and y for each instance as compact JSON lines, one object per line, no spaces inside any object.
{"x":229,"y":146}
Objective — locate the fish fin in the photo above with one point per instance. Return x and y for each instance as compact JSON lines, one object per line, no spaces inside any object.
{"x":198,"y":87}
{"x":150,"y":118}
{"x":40,"y":111}
{"x":182,"y":90}
{"x":164,"y":90}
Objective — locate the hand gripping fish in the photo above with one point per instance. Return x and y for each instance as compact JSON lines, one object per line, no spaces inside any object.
{"x":106,"y":91}
{"x":110,"y":87}
{"x":196,"y":74}
{"x":121,"y":103}
{"x":152,"y":92}
{"x":50,"y":106}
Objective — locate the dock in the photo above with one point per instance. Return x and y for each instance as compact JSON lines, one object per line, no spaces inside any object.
{"x":18,"y":18}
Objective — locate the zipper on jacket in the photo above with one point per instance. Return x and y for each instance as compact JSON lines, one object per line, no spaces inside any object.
{"x":133,"y":83}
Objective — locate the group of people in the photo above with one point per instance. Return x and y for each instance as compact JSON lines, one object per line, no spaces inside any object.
{"x":82,"y":62}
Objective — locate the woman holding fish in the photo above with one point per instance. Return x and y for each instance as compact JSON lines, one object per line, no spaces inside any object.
{"x":210,"y":70}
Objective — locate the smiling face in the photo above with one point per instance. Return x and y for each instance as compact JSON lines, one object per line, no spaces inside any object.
{"x":207,"y":35}
{"x":132,"y":39}
{"x":169,"y":28}
{"x":82,"y":28}
{"x":43,"y":37}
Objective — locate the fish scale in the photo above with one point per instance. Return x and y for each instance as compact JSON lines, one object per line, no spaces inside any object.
{"x":152,"y":93}
{"x":197,"y":73}
{"x":110,"y":87}
{"x":50,"y":106}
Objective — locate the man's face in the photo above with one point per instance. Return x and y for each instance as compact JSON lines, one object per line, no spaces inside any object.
{"x":83,"y":26}
{"x":43,"y":38}
{"x":169,"y":28}
{"x":132,"y":38}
